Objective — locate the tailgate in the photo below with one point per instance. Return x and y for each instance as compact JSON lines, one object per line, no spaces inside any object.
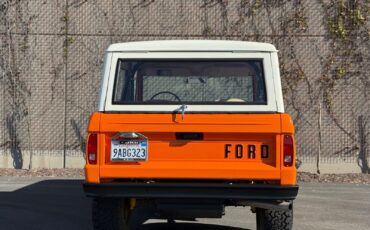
{"x":200,"y":146}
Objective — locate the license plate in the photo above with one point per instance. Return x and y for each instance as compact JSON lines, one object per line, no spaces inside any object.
{"x":131,"y":150}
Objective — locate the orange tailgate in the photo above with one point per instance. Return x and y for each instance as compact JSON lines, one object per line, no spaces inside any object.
{"x":200,"y":146}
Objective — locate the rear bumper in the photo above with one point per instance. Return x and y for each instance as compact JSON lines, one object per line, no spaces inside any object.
{"x":191,"y":190}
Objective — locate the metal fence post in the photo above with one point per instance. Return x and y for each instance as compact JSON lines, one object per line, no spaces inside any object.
{"x":65,"y":53}
{"x":363,"y":156}
{"x":320,"y":142}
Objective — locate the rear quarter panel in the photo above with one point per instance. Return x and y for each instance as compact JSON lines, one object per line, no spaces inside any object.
{"x":177,"y":159}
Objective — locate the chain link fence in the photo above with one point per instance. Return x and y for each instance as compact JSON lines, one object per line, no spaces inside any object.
{"x":51,"y":56}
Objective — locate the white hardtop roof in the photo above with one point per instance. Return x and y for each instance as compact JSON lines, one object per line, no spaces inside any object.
{"x":192,"y":46}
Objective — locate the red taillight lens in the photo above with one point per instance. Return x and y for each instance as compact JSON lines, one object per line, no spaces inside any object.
{"x":92,"y":149}
{"x":288,"y":150}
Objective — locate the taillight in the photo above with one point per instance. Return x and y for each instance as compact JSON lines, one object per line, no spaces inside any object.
{"x":92,"y":149}
{"x":288,"y":150}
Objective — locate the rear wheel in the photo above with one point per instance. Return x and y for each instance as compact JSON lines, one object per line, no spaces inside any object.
{"x":112,"y":214}
{"x":274,"y":220}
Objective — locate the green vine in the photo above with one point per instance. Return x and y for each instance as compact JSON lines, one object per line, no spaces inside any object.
{"x":295,"y":22}
{"x":65,"y":30}
{"x":256,"y":5}
{"x":346,"y":22}
{"x":348,"y":17}
{"x":15,"y":16}
{"x":293,"y":74}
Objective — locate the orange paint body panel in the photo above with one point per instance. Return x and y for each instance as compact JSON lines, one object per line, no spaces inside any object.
{"x":232,"y":147}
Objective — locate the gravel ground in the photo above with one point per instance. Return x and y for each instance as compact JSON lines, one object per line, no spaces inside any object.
{"x":349,"y":178}
{"x":42,"y":172}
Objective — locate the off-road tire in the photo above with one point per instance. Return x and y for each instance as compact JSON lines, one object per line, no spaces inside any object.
{"x":274,"y":220}
{"x":110,"y":214}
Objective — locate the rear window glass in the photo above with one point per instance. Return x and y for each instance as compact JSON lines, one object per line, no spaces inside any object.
{"x":189,"y":82}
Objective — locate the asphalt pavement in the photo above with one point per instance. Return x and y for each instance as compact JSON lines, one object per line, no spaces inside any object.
{"x":50,"y":203}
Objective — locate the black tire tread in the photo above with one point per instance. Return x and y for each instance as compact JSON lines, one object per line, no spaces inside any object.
{"x":274,"y":220}
{"x":109,"y":214}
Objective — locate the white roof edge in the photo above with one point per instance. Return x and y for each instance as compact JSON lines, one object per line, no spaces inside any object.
{"x":192,"y":46}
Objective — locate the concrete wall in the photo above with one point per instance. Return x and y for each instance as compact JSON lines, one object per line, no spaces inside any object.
{"x":51,"y":53}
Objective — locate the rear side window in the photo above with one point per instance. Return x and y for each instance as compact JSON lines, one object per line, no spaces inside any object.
{"x":189,"y":82}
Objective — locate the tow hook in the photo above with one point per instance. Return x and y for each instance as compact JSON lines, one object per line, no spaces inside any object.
{"x":132,"y":203}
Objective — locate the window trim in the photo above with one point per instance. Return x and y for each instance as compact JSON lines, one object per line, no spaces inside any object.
{"x":121,"y":60}
{"x":271,"y":104}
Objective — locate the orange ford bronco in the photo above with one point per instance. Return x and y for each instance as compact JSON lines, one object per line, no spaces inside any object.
{"x":185,"y":128}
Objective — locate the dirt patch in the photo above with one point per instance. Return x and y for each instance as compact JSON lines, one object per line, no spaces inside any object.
{"x":43,"y":172}
{"x":348,"y":178}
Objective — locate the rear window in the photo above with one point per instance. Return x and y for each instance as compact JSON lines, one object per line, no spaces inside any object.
{"x":189,"y":82}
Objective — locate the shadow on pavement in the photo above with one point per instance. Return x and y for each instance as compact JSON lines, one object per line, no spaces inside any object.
{"x":61,"y":204}
{"x":48,"y":204}
{"x":186,"y":226}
